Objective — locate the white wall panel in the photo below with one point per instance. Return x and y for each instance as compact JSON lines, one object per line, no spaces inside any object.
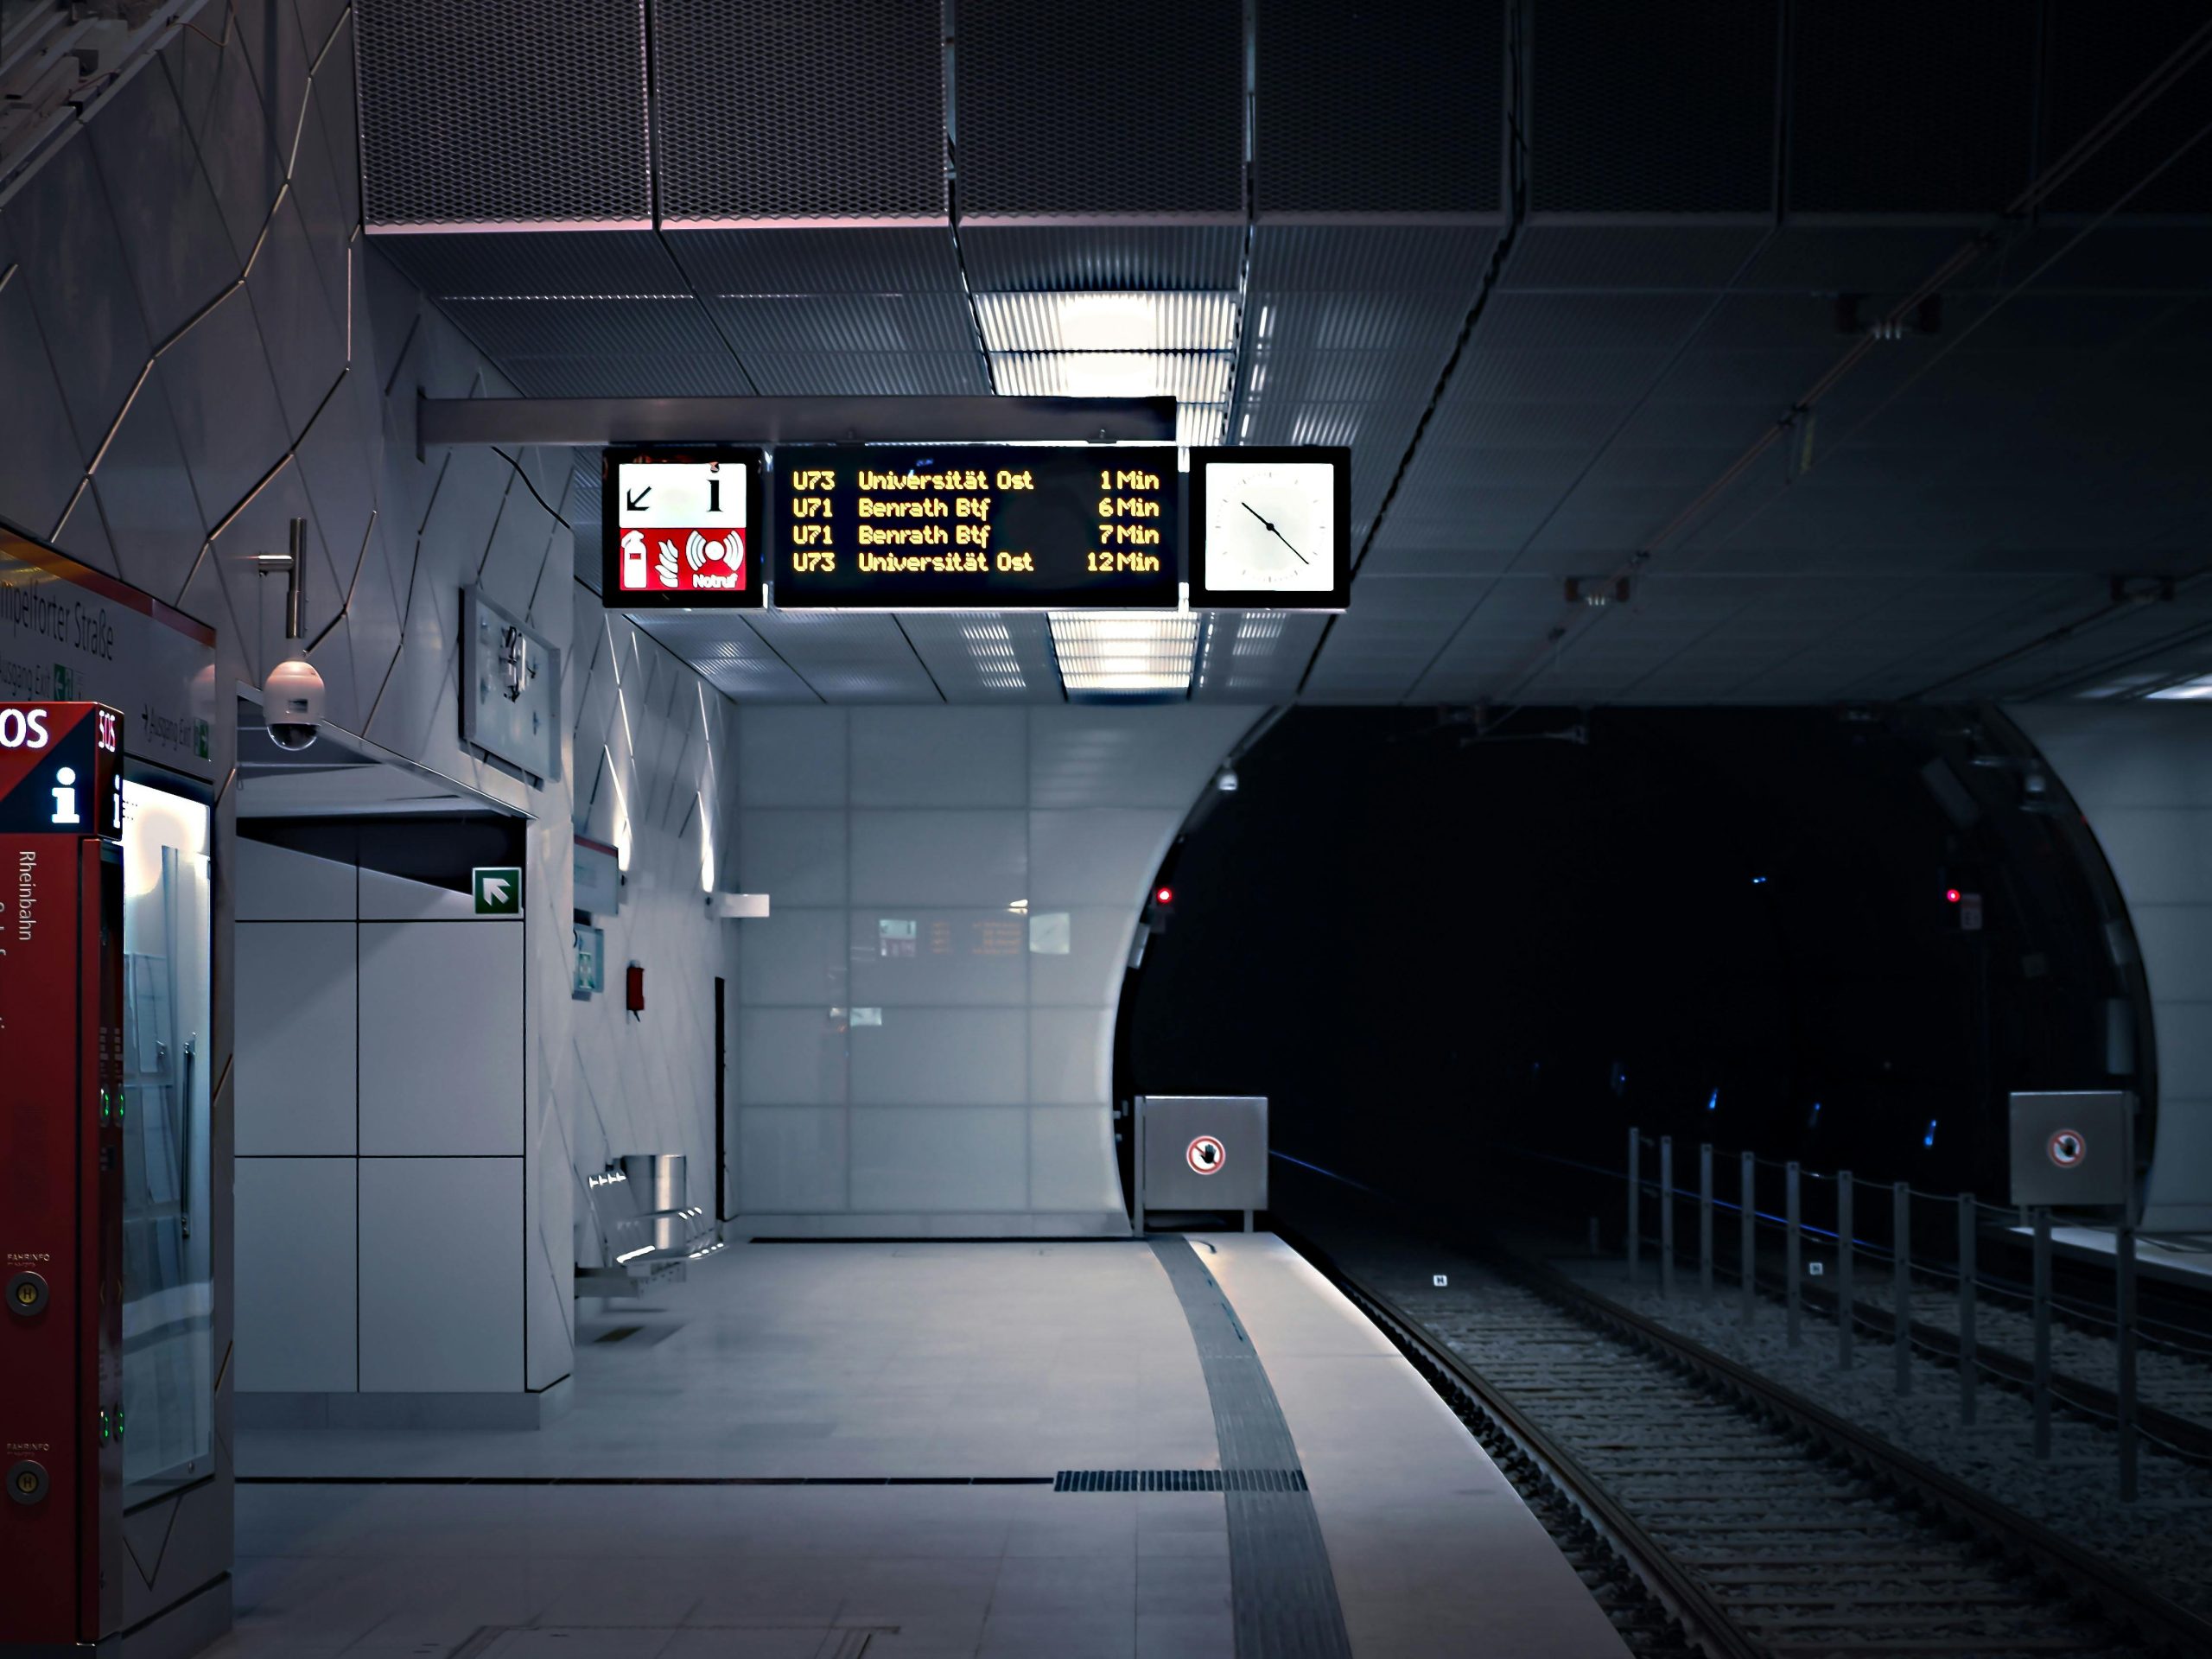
{"x":295,"y":1247}
{"x":922,"y":857}
{"x":941,"y":1056}
{"x":940,"y":1158}
{"x":939,"y":756}
{"x":795,"y":957}
{"x":295,"y":1011}
{"x":395,"y":898}
{"x":981,"y":1099}
{"x":275,"y":884}
{"x":1090,"y":974}
{"x":441,"y":1281}
{"x":1103,"y":856}
{"x":1070,"y":1056}
{"x":793,"y":757}
{"x":795,"y":856}
{"x":790,"y":1057}
{"x":791,"y":1158}
{"x":1072,"y":1159}
{"x":972,"y":957}
{"x":441,"y":1059}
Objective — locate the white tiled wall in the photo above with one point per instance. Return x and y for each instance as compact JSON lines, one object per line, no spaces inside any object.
{"x":964,"y":1087}
{"x":2142,"y":774}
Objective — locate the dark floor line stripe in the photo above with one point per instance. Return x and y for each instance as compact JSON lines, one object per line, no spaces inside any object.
{"x":1282,"y":1589}
{"x":645,"y":1480}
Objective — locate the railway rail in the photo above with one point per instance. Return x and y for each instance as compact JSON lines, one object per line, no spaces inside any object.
{"x":1758,"y":1522}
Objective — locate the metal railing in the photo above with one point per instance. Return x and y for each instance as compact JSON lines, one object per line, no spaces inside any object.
{"x":1929,"y":1237}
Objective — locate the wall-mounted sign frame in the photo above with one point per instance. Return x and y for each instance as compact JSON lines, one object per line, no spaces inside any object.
{"x":1270,"y":527}
{"x":682,"y":527}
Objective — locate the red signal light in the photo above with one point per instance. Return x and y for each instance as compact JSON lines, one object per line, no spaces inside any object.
{"x":1164,"y":896}
{"x":1950,"y":895}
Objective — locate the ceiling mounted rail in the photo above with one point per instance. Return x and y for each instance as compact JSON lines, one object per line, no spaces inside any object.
{"x":594,"y":421}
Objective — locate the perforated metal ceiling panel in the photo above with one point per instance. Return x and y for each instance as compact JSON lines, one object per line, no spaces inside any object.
{"x":731,"y":656}
{"x":818,"y":259}
{"x":847,"y":659}
{"x":1254,"y":656}
{"x":1328,"y":140}
{"x":1350,"y":329}
{"x":1945,"y":125}
{"x":799,"y":109}
{"x":511,"y":264}
{"x":1652,"y":108}
{"x":1068,"y":107}
{"x":1089,"y":258}
{"x":2094,"y":63}
{"x":985,"y":656}
{"x":530,"y":114}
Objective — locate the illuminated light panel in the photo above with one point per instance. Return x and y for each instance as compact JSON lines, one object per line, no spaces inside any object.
{"x":1105,"y":321}
{"x":1188,"y":376}
{"x":990,"y":646}
{"x":2187,"y":691}
{"x":1136,"y":653}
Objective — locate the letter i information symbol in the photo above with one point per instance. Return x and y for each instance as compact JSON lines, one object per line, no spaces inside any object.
{"x":65,"y":798}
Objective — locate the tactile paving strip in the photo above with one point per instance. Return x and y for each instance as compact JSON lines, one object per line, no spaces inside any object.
{"x":1283,"y":1592}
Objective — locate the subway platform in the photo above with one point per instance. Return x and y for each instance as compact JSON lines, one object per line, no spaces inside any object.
{"x":817,"y":1451}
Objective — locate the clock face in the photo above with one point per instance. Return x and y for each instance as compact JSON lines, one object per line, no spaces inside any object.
{"x":1271,"y":526}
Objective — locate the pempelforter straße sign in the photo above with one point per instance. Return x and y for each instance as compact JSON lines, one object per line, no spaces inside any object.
{"x":71,"y":633}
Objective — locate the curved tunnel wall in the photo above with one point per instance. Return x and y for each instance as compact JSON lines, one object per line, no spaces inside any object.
{"x":925,"y":1026}
{"x":2142,"y":774}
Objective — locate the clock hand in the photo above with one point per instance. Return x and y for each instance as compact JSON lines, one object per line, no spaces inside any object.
{"x":1273,"y":531}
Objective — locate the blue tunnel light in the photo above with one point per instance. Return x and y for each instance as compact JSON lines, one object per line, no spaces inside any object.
{"x":1928,"y":1139}
{"x":1713,"y":1101}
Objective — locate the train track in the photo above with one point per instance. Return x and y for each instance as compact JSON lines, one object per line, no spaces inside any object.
{"x":1758,"y":1522}
{"x":2177,"y":1415}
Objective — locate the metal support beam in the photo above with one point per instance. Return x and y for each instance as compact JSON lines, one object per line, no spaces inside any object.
{"x":591,"y":421}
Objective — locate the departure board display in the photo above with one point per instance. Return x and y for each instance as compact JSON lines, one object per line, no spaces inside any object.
{"x":1000,"y":527}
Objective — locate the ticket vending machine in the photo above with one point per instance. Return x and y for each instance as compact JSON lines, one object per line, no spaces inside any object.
{"x":62,"y":1109}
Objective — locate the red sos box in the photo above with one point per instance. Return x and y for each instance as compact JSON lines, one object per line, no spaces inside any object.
{"x":61,"y":1116}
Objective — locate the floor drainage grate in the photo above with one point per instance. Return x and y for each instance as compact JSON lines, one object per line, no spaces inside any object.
{"x":1180,"y":1480}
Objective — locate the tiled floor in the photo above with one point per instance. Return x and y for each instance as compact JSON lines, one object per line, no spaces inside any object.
{"x":939,"y":1361}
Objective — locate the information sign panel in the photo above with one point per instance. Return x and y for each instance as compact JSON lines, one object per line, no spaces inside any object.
{"x":682,"y":528}
{"x":999,"y":527}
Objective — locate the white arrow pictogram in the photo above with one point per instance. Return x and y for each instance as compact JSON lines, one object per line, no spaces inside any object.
{"x":495,"y":889}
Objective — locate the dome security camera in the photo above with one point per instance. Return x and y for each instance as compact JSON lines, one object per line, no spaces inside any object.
{"x":292,"y":703}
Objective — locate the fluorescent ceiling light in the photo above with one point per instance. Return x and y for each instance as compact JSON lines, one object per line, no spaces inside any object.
{"x":2187,"y":691}
{"x":1126,"y":653}
{"x":990,"y":647}
{"x":1189,"y":376}
{"x":1102,"y":321}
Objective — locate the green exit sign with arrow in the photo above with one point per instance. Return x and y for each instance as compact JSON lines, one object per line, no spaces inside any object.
{"x":497,"y":889}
